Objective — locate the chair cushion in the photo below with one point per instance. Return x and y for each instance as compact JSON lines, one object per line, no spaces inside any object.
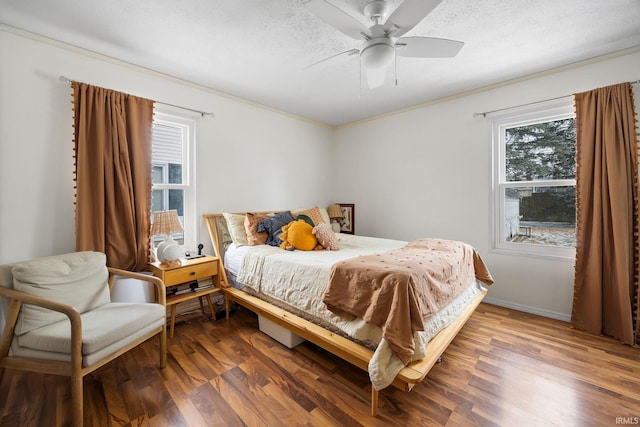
{"x":108,"y":324}
{"x":78,"y":279}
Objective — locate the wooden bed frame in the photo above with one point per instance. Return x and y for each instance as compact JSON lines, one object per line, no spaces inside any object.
{"x":342,"y":347}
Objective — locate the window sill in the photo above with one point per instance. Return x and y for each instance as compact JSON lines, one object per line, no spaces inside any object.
{"x":562,"y":254}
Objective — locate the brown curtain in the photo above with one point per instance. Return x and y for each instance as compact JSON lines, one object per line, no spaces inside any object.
{"x":113,"y":174}
{"x":606,"y":270}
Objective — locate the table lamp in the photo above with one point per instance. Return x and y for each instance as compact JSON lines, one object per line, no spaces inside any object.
{"x":335,"y":213}
{"x":166,"y":223}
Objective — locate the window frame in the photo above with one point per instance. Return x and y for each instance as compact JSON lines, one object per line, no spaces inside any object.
{"x":188,"y":185}
{"x":539,"y":113}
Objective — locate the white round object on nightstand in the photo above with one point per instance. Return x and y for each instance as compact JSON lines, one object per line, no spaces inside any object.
{"x":172,"y":252}
{"x":169,"y":250}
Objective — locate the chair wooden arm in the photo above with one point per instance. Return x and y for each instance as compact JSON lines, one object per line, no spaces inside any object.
{"x":17,"y":298}
{"x":26,"y":298}
{"x":157,"y":282}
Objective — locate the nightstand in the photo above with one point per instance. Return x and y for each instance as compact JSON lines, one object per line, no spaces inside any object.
{"x":187,"y":271}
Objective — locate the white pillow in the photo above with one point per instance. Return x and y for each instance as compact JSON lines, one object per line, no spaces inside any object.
{"x":235,"y":224}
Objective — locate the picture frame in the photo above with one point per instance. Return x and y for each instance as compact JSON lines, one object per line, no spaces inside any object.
{"x":347,"y":222}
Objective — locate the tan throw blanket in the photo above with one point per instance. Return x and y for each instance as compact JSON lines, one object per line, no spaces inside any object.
{"x":399,"y":289}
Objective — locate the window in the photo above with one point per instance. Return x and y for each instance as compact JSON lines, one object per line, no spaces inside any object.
{"x":534,"y":186}
{"x":173,"y":172}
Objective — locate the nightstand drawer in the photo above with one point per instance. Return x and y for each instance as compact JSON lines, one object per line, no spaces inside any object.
{"x":188,"y":273}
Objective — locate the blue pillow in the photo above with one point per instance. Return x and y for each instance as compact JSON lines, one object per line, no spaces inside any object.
{"x":273,"y":226}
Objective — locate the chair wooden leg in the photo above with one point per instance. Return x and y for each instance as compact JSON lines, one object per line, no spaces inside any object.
{"x":77,"y":401}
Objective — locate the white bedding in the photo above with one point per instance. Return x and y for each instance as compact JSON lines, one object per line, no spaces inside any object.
{"x":298,"y":279}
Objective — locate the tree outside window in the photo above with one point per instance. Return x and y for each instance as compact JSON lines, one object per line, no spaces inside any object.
{"x":534,"y":172}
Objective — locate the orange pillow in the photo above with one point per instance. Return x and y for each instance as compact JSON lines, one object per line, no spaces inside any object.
{"x":298,"y":235}
{"x":313,"y":213}
{"x":251,"y":221}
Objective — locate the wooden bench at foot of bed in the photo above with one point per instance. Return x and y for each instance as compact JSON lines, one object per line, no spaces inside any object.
{"x":350,"y":351}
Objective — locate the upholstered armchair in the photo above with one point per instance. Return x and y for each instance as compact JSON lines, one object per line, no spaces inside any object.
{"x":59,"y":318}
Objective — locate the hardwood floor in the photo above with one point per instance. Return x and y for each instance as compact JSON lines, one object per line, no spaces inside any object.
{"x":505,"y":368}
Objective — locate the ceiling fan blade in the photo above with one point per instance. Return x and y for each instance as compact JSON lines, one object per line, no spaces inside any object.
{"x":333,"y":58}
{"x":427,"y":47}
{"x":408,"y":15}
{"x":338,"y":19}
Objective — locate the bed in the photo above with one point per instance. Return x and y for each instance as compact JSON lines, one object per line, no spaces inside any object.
{"x":307,"y":293}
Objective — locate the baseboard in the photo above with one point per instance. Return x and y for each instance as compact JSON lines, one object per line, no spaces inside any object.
{"x":528,"y":309}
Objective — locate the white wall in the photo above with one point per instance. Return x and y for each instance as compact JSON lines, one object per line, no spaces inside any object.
{"x":248,"y":157}
{"x":423,"y":172}
{"x":426,"y":173}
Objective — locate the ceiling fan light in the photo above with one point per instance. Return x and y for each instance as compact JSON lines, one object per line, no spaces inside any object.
{"x":375,"y":77}
{"x":378,"y":53}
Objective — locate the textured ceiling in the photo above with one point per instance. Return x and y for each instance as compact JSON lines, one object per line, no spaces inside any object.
{"x":258,"y":49}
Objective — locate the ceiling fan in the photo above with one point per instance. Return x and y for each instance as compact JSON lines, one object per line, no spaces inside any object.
{"x":383,"y":39}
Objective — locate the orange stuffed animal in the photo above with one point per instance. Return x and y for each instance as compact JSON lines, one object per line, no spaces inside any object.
{"x":299,"y":235}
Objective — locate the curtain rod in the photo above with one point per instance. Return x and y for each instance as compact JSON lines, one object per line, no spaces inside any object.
{"x":529,"y":103}
{"x":202,"y":113}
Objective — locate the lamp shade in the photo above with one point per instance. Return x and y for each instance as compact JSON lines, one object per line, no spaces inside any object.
{"x":166,"y":223}
{"x":335,"y":211}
